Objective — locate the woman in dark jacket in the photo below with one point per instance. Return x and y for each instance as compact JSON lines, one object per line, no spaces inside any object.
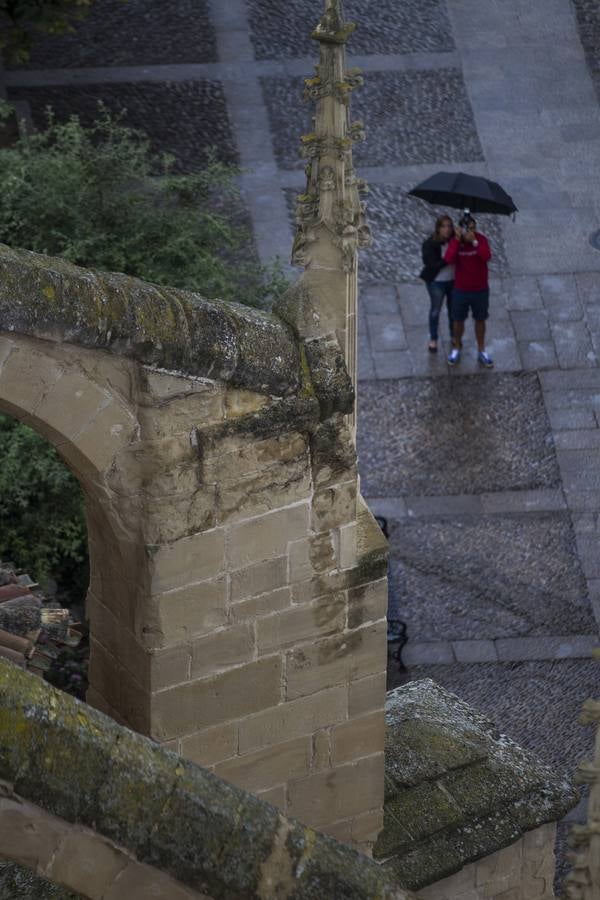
{"x":438,"y":276}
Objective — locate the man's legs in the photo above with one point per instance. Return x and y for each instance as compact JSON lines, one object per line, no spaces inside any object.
{"x":480,"y":334}
{"x":460,"y":311}
{"x":480,"y":306}
{"x":448,"y":287}
{"x":457,"y":332}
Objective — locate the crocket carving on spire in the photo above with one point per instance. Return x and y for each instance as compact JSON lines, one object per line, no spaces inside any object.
{"x":332,"y":197}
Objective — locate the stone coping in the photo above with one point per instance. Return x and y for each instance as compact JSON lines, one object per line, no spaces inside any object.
{"x":456,"y":789}
{"x":81,"y":766}
{"x":50,"y":298}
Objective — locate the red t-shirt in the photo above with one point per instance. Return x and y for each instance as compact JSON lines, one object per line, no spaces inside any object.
{"x":471,"y":270}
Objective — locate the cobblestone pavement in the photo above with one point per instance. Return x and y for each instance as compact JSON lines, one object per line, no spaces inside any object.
{"x":490,"y":480}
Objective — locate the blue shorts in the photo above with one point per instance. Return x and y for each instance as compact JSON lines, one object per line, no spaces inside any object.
{"x":476,"y":301}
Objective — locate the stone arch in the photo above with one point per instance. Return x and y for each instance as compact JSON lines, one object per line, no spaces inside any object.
{"x":237,"y":596}
{"x":80,"y":400}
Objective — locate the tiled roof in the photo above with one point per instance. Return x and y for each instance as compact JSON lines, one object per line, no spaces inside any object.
{"x":32,"y":629}
{"x":455,"y":789}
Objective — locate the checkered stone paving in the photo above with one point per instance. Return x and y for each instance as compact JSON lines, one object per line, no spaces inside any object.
{"x":183,"y":118}
{"x":488,"y":577}
{"x":279,"y":27}
{"x":401,"y":223}
{"x":409,"y":117}
{"x":131,"y":33}
{"x":462,"y":435}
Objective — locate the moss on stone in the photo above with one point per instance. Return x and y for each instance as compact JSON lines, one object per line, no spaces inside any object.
{"x":459,"y":789}
{"x":332,"y":449}
{"x":279,"y":417}
{"x":77,"y":763}
{"x":53,"y":299}
{"x":428,"y":750}
{"x":329,"y":375}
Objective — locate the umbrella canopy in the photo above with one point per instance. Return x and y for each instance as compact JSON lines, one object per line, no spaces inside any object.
{"x":460,"y":191}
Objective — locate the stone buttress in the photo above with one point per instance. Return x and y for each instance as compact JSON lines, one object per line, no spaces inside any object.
{"x":237,"y":593}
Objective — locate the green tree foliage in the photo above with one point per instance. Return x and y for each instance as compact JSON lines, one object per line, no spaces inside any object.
{"x":99,"y":197}
{"x":42,"y":522}
{"x":21,"y":19}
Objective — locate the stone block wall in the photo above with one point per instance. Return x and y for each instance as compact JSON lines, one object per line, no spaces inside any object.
{"x":237,"y":594}
{"x":522,"y":871}
{"x":259,"y":646}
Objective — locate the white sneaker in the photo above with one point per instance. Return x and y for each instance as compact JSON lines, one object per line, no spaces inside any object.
{"x":453,"y":356}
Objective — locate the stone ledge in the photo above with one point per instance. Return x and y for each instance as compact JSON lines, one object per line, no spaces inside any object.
{"x":79,"y":765}
{"x":52,"y":299}
{"x":456,"y":789}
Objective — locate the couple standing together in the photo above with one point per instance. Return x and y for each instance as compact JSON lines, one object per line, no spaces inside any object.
{"x":455,"y":268}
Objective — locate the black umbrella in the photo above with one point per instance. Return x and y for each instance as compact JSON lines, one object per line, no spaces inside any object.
{"x":460,"y":191}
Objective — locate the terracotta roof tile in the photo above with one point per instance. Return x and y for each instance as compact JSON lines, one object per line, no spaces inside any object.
{"x":11,"y":591}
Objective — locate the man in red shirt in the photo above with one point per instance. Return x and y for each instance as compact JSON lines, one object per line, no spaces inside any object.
{"x":470,"y":252}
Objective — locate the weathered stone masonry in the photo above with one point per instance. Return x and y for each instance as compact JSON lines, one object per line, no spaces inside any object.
{"x":238,"y":582}
{"x":112,"y":816}
{"x":238,"y":593}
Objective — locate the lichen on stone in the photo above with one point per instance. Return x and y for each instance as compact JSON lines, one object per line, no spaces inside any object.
{"x":80,"y":765}
{"x":53,"y":299}
{"x":455,"y":789}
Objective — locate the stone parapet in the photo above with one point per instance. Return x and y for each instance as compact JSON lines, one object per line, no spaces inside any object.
{"x":103,"y":811}
{"x":236,"y":576}
{"x":462,"y":798}
{"x":52,"y":299}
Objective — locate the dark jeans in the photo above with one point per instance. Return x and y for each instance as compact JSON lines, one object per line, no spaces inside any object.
{"x":437,"y":291}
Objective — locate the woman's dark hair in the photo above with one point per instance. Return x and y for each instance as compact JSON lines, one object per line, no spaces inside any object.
{"x":438,"y":224}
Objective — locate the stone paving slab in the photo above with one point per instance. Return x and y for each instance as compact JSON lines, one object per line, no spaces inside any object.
{"x":584,"y":439}
{"x":573,"y":345}
{"x":489,"y":504}
{"x":531,"y":325}
{"x":460,"y":435}
{"x":562,"y":419}
{"x":560,"y":297}
{"x":537,"y":355}
{"x":580,"y":469}
{"x":575,"y":380}
{"x":570,"y":646}
{"x":392,"y":364}
{"x":515,"y":649}
{"x":380,"y":299}
{"x":524,"y":293}
{"x":523,"y":501}
{"x":500,"y":576}
{"x":386,"y":332}
{"x":457,"y":505}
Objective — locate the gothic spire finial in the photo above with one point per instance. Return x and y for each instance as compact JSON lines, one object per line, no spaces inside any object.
{"x":330,"y":215}
{"x":331,"y":198}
